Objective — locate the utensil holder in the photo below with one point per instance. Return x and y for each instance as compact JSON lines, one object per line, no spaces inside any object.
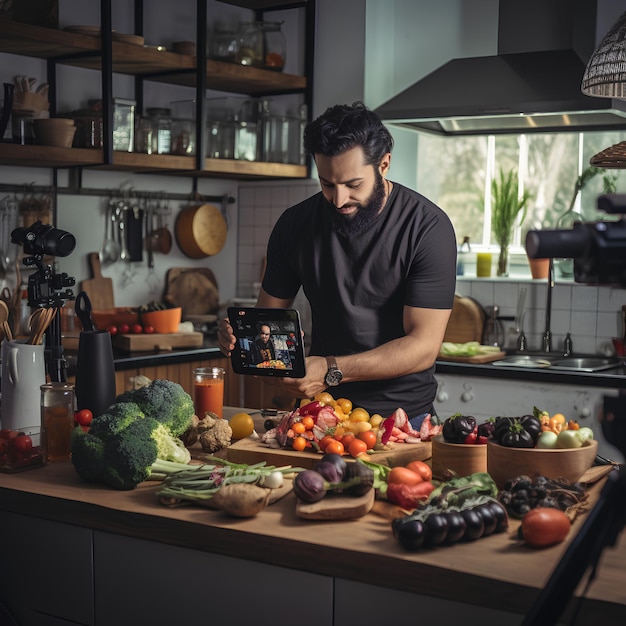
{"x":95,"y":372}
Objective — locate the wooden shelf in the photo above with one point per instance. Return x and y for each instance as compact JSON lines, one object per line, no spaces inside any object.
{"x":49,"y":156}
{"x":79,"y":50}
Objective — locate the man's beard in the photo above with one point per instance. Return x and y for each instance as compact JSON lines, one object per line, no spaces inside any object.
{"x":353,"y":225}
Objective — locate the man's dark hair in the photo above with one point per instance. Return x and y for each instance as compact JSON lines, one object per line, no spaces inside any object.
{"x":343,"y":127}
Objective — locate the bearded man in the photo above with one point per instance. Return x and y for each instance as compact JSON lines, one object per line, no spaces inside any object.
{"x":377,"y":263}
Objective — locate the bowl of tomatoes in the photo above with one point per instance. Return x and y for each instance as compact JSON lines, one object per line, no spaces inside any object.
{"x":22,"y":449}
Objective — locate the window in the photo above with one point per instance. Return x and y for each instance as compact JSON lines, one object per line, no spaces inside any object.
{"x":456,"y":173}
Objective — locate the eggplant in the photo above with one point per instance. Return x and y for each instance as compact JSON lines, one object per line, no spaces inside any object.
{"x":456,"y":527}
{"x":331,"y":469}
{"x":475,"y":525}
{"x":502,"y":517}
{"x":489,"y":519}
{"x":365,"y":476}
{"x":409,"y":533}
{"x":457,"y":428}
{"x":435,"y":529}
{"x":309,"y":486}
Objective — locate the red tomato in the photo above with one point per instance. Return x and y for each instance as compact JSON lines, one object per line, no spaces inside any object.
{"x":421,"y":468}
{"x":83,"y":417}
{"x":124,"y":329}
{"x":357,"y":447}
{"x":5,"y":433}
{"x":148,"y":329}
{"x":137,"y":329}
{"x":112,"y":330}
{"x":403,"y":476}
{"x":543,"y":527}
{"x":22,"y":443}
{"x":334,"y":447}
{"x":369,"y":437}
{"x":324,"y":441}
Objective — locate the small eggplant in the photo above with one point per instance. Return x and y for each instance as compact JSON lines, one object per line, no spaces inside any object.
{"x":309,"y":486}
{"x":362,"y":477}
{"x":457,"y":428}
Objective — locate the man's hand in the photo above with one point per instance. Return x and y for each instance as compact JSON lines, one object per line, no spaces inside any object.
{"x":225,"y":337}
{"x":312,"y":383}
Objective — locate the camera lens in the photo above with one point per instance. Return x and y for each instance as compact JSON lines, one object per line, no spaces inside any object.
{"x":56,"y":242}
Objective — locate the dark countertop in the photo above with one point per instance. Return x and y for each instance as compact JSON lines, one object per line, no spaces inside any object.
{"x":613,"y":379}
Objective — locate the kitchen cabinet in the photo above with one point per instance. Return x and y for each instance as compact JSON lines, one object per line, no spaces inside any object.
{"x":79,"y":50}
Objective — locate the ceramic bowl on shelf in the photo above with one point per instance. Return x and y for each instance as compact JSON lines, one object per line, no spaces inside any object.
{"x":54,"y":131}
{"x":165,"y":321}
{"x":504,"y":463}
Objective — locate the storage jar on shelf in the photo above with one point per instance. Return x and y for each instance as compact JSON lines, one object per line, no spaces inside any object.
{"x":275,"y":48}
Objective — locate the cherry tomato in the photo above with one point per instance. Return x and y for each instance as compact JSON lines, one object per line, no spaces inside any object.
{"x":369,"y":437}
{"x":124,"y":329}
{"x":346,"y":439}
{"x":6,"y":433}
{"x":83,"y":417}
{"x":22,"y":443}
{"x":334,"y":447}
{"x":137,"y":329}
{"x":357,"y":447}
{"x":543,"y":527}
{"x":421,"y":468}
{"x":298,"y":444}
{"x":403,"y":476}
{"x":298,"y":428}
{"x":308,"y":422}
{"x":148,"y":330}
{"x":323,"y":442}
{"x":113,"y":330}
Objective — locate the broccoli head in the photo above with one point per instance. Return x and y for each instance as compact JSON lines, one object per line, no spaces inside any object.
{"x":88,"y":456}
{"x":115,"y":419}
{"x":165,"y":401}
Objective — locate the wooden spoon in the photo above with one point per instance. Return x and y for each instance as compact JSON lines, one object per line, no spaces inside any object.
{"x":4,"y":321}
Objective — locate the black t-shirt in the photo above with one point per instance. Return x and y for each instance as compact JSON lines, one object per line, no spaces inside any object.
{"x":358,"y":286}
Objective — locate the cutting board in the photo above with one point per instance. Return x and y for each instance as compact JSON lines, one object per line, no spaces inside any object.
{"x":157,"y":341}
{"x":466,"y":321}
{"x":337,"y":507}
{"x":193,"y":289}
{"x":99,"y":289}
{"x":252,"y":451}
{"x":479,"y":358}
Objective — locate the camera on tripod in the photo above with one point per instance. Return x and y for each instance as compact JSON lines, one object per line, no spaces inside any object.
{"x":598,"y":248}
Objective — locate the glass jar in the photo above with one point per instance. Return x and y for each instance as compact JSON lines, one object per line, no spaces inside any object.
{"x":143,"y":134}
{"x":250,"y":49}
{"x":183,"y":136}
{"x":274,"y":45}
{"x":224,"y":45}
{"x":161,"y":119}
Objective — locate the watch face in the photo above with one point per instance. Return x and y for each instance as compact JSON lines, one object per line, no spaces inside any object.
{"x":333,"y":377}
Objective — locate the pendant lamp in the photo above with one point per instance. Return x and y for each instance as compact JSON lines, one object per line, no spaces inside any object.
{"x":605,"y":74}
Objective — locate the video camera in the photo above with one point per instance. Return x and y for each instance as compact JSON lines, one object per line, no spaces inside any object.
{"x":45,"y":287}
{"x":598,"y":248}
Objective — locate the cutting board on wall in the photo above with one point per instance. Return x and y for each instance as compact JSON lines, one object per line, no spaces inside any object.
{"x":466,"y":321}
{"x":99,"y":289}
{"x":193,"y":289}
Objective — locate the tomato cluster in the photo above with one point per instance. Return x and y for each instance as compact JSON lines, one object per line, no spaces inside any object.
{"x":17,"y":450}
{"x":125,"y":329}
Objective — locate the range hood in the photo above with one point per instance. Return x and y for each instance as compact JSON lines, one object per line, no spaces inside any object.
{"x":532,"y":85}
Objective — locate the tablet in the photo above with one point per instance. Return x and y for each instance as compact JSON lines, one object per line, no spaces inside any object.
{"x":269,"y":342}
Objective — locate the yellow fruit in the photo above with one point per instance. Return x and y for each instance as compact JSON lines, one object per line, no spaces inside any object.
{"x":376,"y":420}
{"x":359,"y":415}
{"x":361,"y":427}
{"x":345,"y":405}
{"x":242,"y":425}
{"x":325,"y":398}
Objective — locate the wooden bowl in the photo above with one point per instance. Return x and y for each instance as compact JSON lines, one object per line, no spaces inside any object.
{"x":462,"y":458}
{"x":570,"y":463}
{"x":166,"y":321}
{"x":55,"y":131}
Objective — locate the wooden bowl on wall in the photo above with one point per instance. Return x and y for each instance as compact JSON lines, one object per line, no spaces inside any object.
{"x":462,"y":458}
{"x":570,"y":463}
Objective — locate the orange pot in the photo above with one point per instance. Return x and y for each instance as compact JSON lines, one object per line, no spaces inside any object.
{"x":539,"y":268}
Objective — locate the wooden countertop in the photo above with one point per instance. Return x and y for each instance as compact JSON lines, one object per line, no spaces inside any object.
{"x":496,"y":571}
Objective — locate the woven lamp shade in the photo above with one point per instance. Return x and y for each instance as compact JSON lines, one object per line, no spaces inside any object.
{"x":605,"y":74}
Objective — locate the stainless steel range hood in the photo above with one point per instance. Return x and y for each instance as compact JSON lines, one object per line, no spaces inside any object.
{"x":532,"y":85}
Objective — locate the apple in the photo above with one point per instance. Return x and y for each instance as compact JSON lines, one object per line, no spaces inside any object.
{"x":547,"y":440}
{"x":568,"y":439}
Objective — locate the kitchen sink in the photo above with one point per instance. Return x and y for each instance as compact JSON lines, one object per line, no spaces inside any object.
{"x":570,"y":364}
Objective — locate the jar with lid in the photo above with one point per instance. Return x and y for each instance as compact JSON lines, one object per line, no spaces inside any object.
{"x":183,"y":136}
{"x":161,"y":119}
{"x":224,"y":45}
{"x":250,"y":47}
{"x":274,"y":46}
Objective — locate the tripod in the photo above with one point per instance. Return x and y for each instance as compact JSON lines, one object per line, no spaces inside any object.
{"x":600,"y":530}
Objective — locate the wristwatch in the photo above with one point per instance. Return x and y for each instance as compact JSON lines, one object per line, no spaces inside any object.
{"x":334,"y":375}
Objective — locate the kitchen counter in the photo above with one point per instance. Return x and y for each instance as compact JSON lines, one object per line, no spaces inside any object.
{"x":344,"y":572}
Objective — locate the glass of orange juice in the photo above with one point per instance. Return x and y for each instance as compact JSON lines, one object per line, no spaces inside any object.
{"x":208,"y":390}
{"x":57,"y":417}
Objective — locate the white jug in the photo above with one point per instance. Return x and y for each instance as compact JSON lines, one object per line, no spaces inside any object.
{"x":23,"y":372}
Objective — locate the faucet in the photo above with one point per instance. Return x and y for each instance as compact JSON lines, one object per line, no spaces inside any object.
{"x":546,"y":342}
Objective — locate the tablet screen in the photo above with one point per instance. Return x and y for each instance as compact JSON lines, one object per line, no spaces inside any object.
{"x":269,"y":342}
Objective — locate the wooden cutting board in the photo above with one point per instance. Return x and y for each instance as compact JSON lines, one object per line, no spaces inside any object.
{"x":99,"y":289}
{"x":466,"y":321}
{"x":252,"y":451}
{"x":337,"y":507}
{"x":193,"y":289}
{"x":479,"y":358}
{"x":157,"y":341}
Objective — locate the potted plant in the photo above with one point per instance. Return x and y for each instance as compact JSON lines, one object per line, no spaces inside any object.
{"x":505,"y":213}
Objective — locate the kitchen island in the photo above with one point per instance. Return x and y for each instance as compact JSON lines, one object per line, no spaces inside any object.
{"x":76,"y":553}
